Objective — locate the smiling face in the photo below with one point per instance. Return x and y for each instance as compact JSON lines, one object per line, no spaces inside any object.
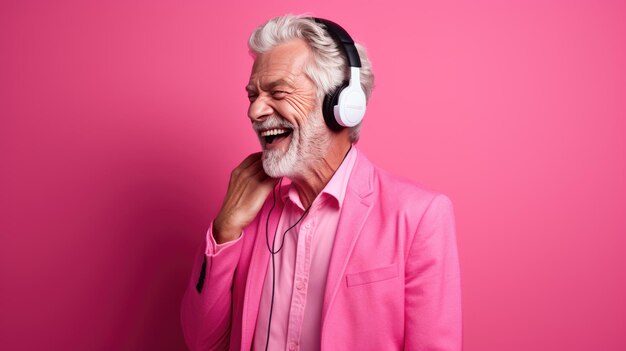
{"x":284,"y":111}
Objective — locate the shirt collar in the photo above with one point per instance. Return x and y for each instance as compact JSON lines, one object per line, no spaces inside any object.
{"x":336,"y":186}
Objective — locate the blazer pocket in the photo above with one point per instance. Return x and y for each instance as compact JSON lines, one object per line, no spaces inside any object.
{"x":372,"y":276}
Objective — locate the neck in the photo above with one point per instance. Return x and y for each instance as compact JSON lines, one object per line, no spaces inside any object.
{"x":319,"y":172}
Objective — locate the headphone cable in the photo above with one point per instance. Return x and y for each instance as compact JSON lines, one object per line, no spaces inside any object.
{"x":274,"y":252}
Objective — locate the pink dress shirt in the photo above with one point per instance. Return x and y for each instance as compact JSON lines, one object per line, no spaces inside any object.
{"x":301,"y":266}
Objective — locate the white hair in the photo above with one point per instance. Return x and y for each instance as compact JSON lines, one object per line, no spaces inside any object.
{"x":329,"y":67}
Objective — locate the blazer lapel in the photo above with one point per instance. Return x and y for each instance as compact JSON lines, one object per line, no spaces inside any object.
{"x":356,"y":207}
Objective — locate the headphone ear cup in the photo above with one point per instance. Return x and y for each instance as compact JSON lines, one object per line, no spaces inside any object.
{"x":328,"y":109}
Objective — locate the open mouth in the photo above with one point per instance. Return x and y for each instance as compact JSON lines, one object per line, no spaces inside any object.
{"x":275,"y":135}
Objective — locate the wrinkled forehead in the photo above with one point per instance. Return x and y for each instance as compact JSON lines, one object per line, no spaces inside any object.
{"x":284,"y":62}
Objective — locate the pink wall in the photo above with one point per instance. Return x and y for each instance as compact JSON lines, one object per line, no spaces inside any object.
{"x":121,"y":120}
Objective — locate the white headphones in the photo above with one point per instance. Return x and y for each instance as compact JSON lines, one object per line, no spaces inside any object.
{"x":345,"y":106}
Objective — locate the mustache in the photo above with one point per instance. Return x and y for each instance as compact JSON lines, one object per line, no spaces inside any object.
{"x":271,"y":122}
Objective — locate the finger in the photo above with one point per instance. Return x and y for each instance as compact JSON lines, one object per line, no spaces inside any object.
{"x":252,"y":158}
{"x":269,"y":182}
{"x":272,"y":181}
{"x":254,"y":166}
{"x":257,"y":171}
{"x":258,"y":175}
{"x":250,"y":170}
{"x":264,"y":187}
{"x":241,"y":170}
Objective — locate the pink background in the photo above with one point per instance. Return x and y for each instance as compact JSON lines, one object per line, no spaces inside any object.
{"x":121,"y":120}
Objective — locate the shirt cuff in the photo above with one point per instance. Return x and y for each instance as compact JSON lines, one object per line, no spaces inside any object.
{"x":212,"y":247}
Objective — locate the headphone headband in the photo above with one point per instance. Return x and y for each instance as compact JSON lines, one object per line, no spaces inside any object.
{"x":343,"y":39}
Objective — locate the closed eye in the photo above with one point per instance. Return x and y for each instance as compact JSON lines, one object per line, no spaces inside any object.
{"x":279,"y":94}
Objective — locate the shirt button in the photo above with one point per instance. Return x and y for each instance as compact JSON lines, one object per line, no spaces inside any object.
{"x":292,"y":346}
{"x":299,"y":285}
{"x":307,"y":225}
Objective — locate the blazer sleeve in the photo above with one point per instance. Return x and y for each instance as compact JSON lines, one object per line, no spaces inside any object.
{"x":432,"y":283}
{"x":206,"y":307}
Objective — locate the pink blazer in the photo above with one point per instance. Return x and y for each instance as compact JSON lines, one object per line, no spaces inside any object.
{"x":393,"y":279}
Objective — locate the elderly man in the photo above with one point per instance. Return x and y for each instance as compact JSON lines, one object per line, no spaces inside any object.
{"x":314,"y":247}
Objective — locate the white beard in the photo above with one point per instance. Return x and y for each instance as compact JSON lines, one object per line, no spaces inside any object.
{"x":307,"y":145}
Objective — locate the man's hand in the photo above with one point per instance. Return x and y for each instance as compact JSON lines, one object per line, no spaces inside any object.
{"x":248,"y":188}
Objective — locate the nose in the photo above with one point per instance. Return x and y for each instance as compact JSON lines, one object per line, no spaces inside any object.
{"x":259,"y":109}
